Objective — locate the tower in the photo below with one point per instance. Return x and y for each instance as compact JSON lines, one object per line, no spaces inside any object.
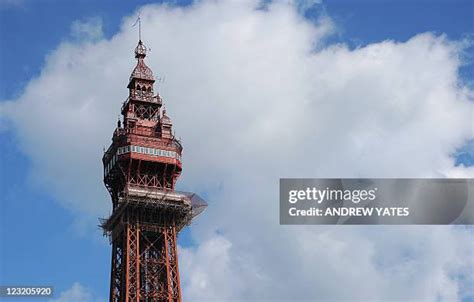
{"x":141,"y":167}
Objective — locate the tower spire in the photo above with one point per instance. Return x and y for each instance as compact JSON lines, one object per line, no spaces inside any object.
{"x":140,"y":50}
{"x":139,"y":22}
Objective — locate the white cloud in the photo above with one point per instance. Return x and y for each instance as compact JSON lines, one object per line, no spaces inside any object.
{"x":90,"y":29}
{"x":254,"y":101}
{"x":77,"y":293}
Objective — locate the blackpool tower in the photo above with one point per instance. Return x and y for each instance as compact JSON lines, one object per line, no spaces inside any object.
{"x":141,"y":168}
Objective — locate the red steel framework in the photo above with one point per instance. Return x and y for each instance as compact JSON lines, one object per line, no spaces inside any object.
{"x":141,"y":167}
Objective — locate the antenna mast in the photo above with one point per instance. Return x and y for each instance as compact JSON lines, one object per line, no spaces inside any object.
{"x":139,"y":21}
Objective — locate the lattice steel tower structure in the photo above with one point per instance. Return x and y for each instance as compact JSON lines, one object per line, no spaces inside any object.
{"x":141,"y":167}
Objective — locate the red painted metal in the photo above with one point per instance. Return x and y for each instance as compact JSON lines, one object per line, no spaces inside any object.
{"x":141,"y":167}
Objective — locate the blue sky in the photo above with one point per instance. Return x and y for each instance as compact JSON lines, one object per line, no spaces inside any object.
{"x":39,"y":244}
{"x":31,"y":29}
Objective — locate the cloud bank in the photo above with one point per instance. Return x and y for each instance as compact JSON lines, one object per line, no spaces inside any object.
{"x":77,"y":293}
{"x":256,"y":95}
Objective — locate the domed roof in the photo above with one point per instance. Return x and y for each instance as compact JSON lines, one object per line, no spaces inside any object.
{"x":140,"y":50}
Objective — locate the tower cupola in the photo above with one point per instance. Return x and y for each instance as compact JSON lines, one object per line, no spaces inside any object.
{"x":141,"y":71}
